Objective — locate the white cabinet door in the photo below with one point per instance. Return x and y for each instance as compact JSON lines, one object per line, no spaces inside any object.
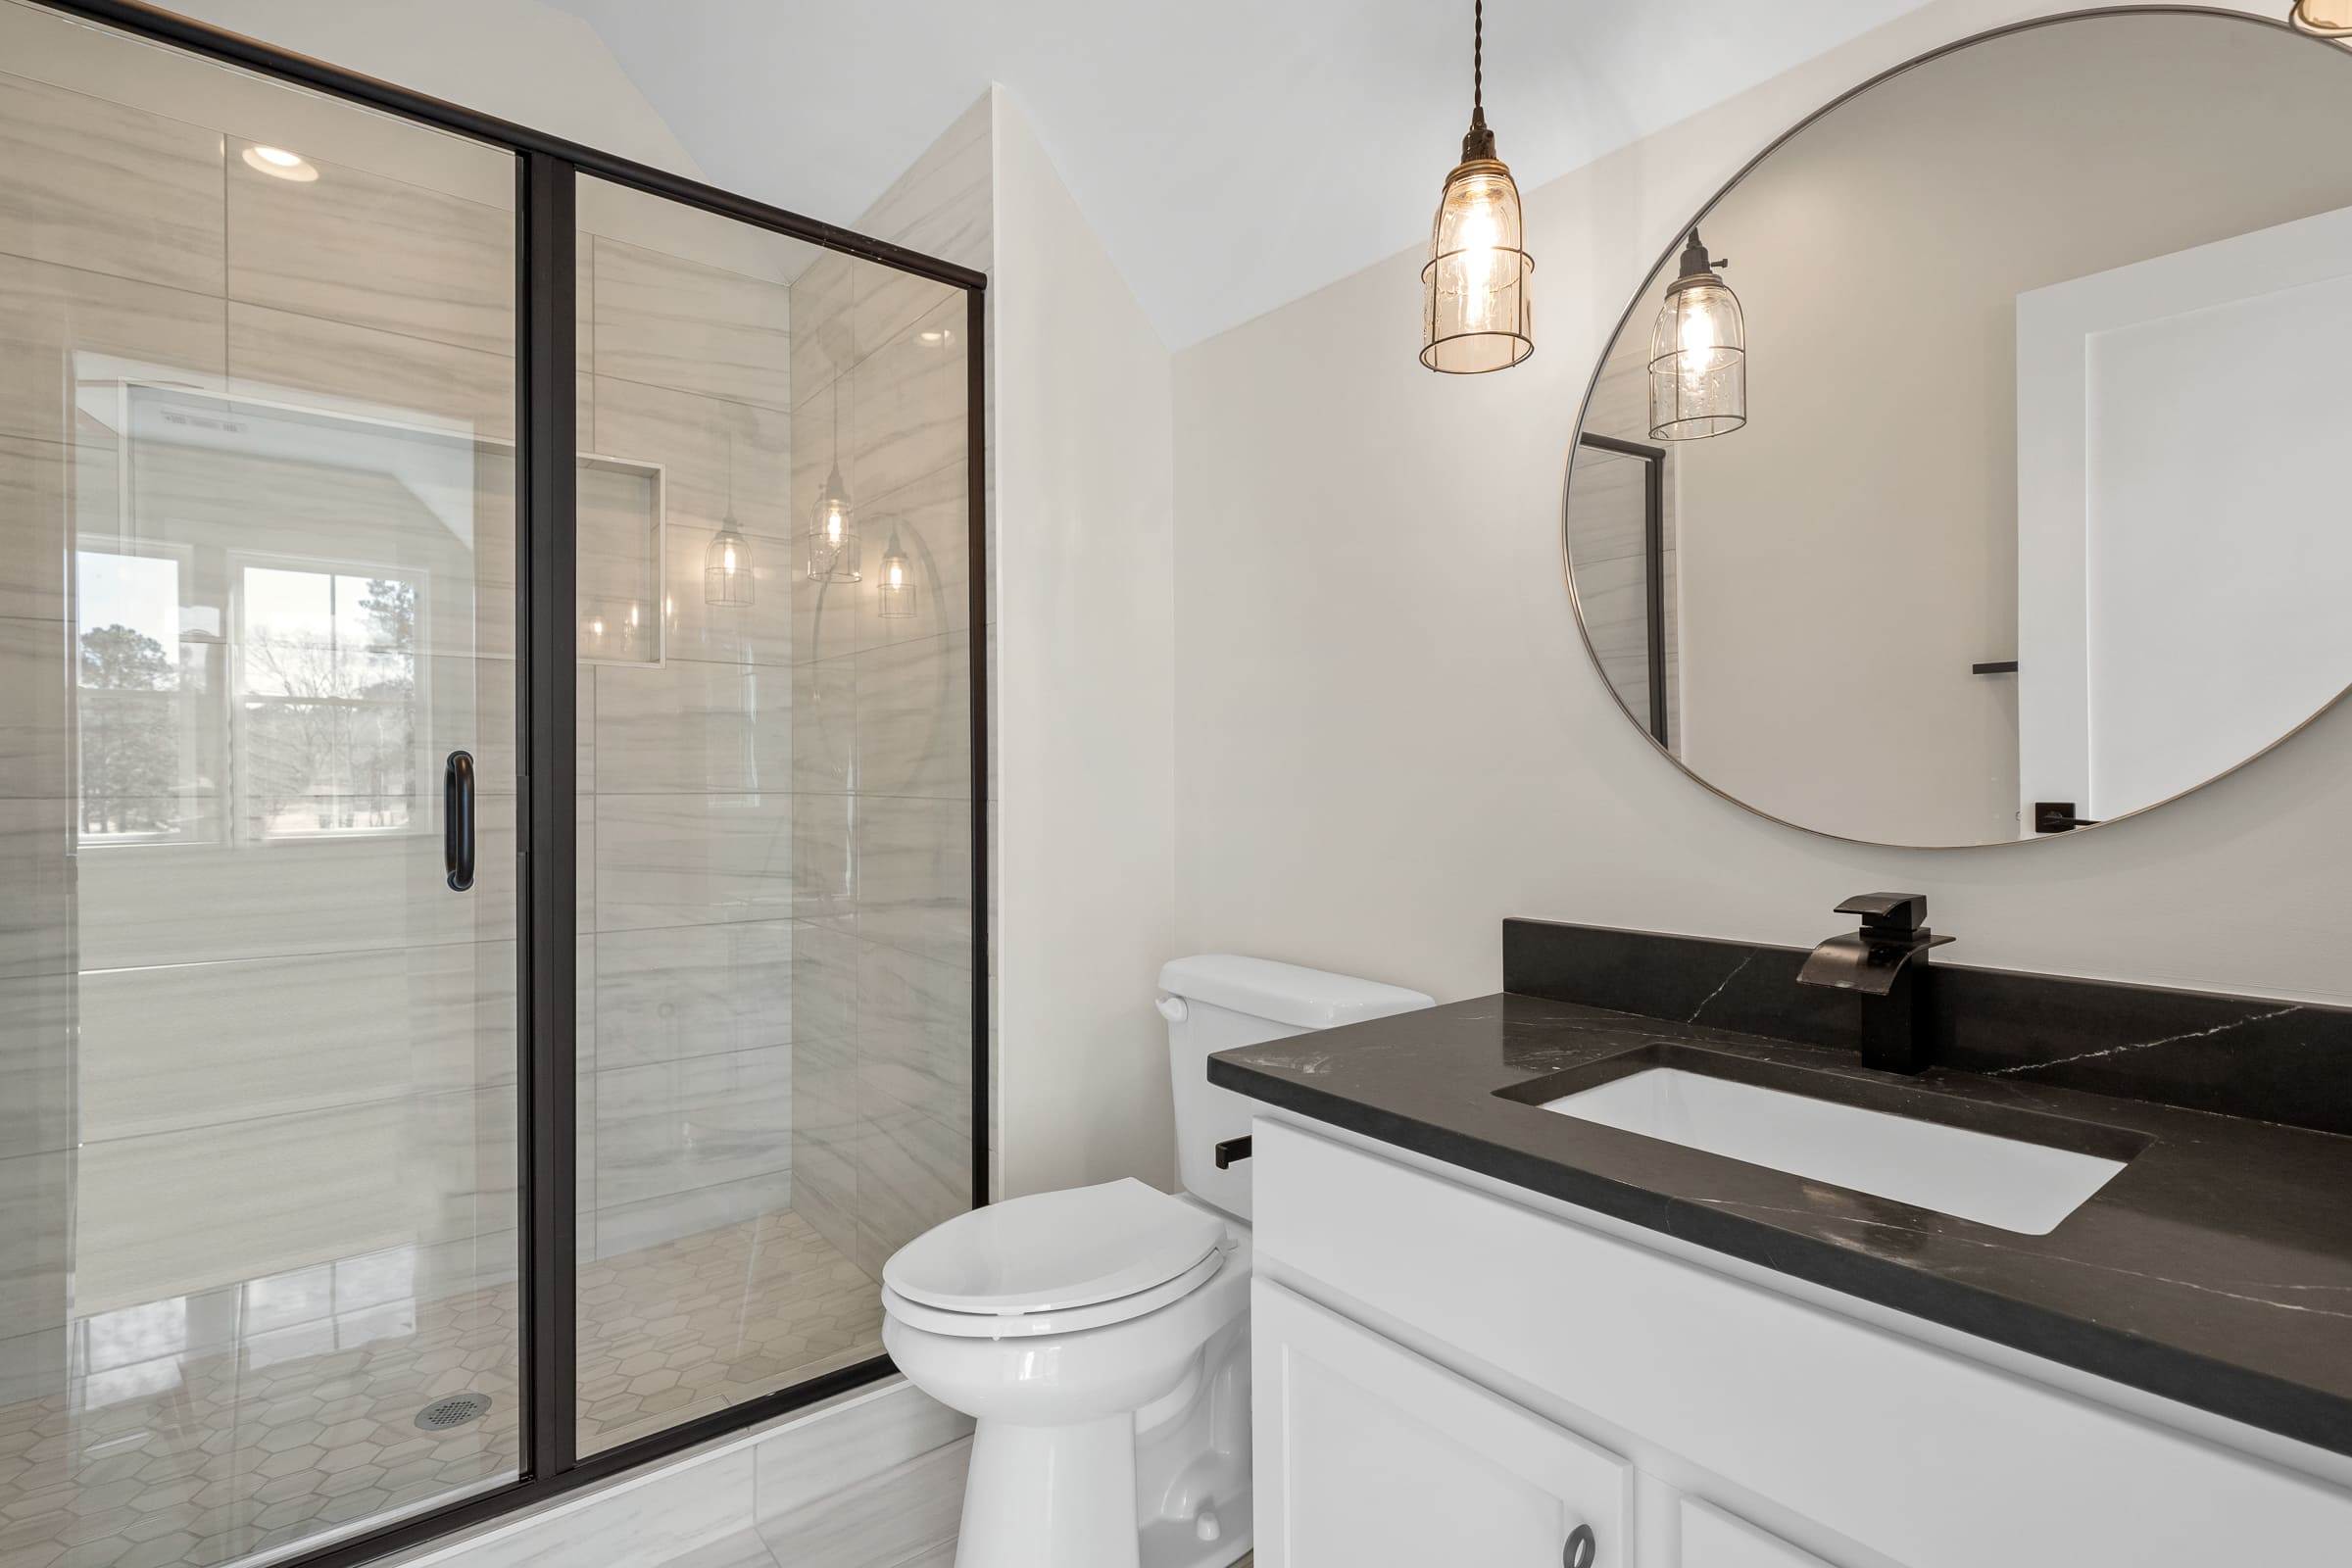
{"x":1713,"y":1538}
{"x":1369,"y":1456}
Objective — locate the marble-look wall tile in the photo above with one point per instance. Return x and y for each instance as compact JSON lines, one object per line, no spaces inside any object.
{"x":50,"y":315}
{"x":38,"y":925}
{"x":668,"y":322}
{"x":825,"y":724}
{"x":907,"y":1512}
{"x":36,"y":685}
{"x":363,"y":248}
{"x":35,"y":1364}
{"x":807,"y":1460}
{"x":913,"y":722}
{"x":909,"y":404}
{"x":693,"y":1123}
{"x":915,"y":1037}
{"x":943,"y":203}
{"x":37,"y":527}
{"x":691,"y":727}
{"x":824,"y":982}
{"x":715,"y":456}
{"x":165,"y":1215}
{"x":930,"y":521}
{"x":693,"y":991}
{"x":199,"y":903}
{"x":281,"y":356}
{"x":36,"y":1226}
{"x":914,"y":858}
{"x":37,"y":1067}
{"x":692,"y":860}
{"x":634,"y":1226}
{"x":823,"y":860}
{"x":179,"y":1047}
{"x":822,"y":341}
{"x":90,"y":183}
{"x":824,"y":1132}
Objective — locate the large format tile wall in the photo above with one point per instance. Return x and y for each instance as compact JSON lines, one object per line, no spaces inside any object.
{"x":881,"y":747}
{"x":234,"y":1057}
{"x":686,"y":362}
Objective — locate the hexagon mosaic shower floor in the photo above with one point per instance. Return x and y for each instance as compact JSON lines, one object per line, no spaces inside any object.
{"x":210,"y":1455}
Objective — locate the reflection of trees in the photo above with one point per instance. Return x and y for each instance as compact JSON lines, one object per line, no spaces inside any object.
{"x":330,"y":728}
{"x":129,"y":752}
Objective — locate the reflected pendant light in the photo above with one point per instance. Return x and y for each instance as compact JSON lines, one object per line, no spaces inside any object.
{"x":1697,"y":354}
{"x":833,"y":521}
{"x":897,"y":587}
{"x":1475,"y":312}
{"x":727,"y":564}
{"x":2324,"y":18}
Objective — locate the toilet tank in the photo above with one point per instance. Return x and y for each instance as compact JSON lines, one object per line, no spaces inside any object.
{"x":1218,"y":1001}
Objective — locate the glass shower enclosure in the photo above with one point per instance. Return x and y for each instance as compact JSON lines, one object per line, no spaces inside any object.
{"x":490,"y":758}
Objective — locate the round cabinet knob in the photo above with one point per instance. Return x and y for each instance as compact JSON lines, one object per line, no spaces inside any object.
{"x":1581,"y":1549}
{"x":1173,"y":1008}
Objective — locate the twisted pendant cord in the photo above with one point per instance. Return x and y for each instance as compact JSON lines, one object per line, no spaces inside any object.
{"x":1478,"y":60}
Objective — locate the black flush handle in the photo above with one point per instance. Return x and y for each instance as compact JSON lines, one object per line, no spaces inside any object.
{"x":457,"y":820}
{"x":1231,"y":1150}
{"x":1581,"y":1548}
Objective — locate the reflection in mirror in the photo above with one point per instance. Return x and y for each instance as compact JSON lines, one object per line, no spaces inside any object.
{"x":2038,"y":504}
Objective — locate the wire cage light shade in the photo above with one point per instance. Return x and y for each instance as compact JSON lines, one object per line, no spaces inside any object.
{"x":1698,"y":354}
{"x":833,"y":533}
{"x":727,"y":569}
{"x":896,"y":583}
{"x":2324,"y":18}
{"x":1476,"y":314}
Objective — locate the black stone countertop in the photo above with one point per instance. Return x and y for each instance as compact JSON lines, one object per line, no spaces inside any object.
{"x":2215,"y":1269}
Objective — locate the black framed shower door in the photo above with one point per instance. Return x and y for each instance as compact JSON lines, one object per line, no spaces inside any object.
{"x":548,"y":457}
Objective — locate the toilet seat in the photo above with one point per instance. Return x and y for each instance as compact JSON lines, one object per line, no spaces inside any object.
{"x":1063,"y":1320}
{"x":1055,"y":1253}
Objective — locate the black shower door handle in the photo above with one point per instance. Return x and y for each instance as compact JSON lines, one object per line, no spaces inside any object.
{"x":457,"y":820}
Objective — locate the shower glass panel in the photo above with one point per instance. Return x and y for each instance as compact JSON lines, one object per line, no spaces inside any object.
{"x":775,"y":1027}
{"x":258,"y":1153}
{"x":1620,"y":513}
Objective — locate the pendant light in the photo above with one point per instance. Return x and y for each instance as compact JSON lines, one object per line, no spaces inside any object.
{"x":1475,"y":313}
{"x":833,"y":521}
{"x":897,"y":587}
{"x":2324,"y":18}
{"x":1697,"y":354}
{"x":727,"y":564}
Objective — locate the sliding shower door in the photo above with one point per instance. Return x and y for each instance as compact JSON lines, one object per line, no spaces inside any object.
{"x":257,"y":1228}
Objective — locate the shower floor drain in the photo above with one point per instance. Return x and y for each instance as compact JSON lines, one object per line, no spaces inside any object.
{"x":454,"y":1412}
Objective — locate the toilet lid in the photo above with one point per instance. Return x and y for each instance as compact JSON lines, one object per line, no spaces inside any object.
{"x":1054,"y":1251}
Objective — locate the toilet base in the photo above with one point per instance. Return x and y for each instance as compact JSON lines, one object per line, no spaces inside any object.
{"x":1051,"y":1496}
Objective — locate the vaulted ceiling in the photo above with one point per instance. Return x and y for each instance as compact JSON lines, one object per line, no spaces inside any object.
{"x":1233,"y":155}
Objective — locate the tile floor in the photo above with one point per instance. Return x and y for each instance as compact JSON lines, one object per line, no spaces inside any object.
{"x":204,"y":1456}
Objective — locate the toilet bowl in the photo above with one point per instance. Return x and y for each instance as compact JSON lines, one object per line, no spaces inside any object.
{"x":1099,"y":1336}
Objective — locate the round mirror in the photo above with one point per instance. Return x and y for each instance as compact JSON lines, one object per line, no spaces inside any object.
{"x":1972,"y":468}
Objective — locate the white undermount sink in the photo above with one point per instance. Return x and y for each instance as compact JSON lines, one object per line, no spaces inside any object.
{"x":2003,"y":1182}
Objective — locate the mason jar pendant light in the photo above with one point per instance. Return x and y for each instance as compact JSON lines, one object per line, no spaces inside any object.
{"x":897,"y":581}
{"x":833,"y":521}
{"x":2324,"y":18}
{"x":1475,"y":313}
{"x":1697,"y":354}
{"x":727,"y":564}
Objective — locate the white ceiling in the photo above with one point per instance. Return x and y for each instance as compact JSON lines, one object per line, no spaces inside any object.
{"x":1233,"y":155}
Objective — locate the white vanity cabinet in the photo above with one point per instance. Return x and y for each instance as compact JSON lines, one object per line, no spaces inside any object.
{"x":1445,"y":1375}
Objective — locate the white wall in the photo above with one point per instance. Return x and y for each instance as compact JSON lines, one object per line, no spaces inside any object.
{"x":1391,"y":738}
{"x":1083,"y":730}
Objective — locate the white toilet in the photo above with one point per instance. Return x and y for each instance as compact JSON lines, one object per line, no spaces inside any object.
{"x":1100,"y":1335}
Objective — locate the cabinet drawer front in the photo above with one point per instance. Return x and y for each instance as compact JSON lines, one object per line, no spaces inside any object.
{"x":1713,"y":1538}
{"x":1929,"y":1458}
{"x":1371,"y":1457}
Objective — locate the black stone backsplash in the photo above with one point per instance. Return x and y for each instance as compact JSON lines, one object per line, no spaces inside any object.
{"x":2287,"y":1062}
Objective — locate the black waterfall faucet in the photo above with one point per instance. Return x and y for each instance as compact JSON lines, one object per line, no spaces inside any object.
{"x":1882,"y":963}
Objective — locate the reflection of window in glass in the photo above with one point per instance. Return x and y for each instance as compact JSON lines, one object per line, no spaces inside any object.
{"x":133,"y":692}
{"x":328,"y":688}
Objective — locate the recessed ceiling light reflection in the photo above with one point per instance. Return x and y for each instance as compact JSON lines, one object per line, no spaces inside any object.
{"x":280,"y":163}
